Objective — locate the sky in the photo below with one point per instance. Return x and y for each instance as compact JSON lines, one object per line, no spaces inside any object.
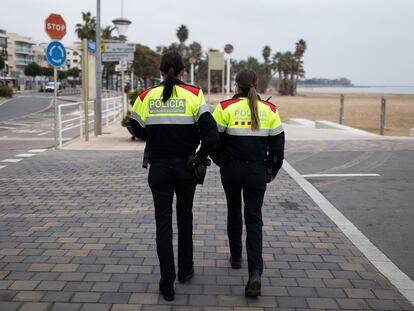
{"x":368,"y":41}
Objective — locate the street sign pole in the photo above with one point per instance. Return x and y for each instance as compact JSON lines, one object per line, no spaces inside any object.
{"x":55,"y":27}
{"x":85,"y":87}
{"x":122,"y":88}
{"x":56,"y":106}
{"x":98,"y":117}
{"x":192,"y":74}
{"x":228,"y":76}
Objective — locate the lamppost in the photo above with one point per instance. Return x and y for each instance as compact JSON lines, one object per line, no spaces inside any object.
{"x":228,"y":48}
{"x":121,"y":25}
{"x":192,"y":61}
{"x":98,"y":61}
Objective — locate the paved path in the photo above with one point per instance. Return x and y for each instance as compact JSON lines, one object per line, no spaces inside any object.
{"x":77,"y":233}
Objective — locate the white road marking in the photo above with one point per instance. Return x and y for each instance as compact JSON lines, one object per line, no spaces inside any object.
{"x":7,"y":128}
{"x":13,"y":123}
{"x":11,"y":160}
{"x":5,"y":101}
{"x":2,"y":166}
{"x":339,"y":175}
{"x":37,"y":150}
{"x":26,"y":131}
{"x":398,"y":278}
{"x":44,"y":133}
{"x":6,"y":138}
{"x":25,"y":155}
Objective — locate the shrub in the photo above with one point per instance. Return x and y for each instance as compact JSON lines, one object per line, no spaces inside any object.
{"x":6,"y":91}
{"x":132,"y":96}
{"x":126,"y":120}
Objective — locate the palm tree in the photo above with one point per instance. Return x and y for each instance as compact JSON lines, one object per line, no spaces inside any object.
{"x":266,"y":53}
{"x":267,"y":67}
{"x":87,"y":29}
{"x":182,"y":34}
{"x":277,"y":65}
{"x":287,"y":60}
{"x":107,"y":32}
{"x":300,"y":48}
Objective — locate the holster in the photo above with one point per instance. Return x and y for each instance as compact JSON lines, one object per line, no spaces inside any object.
{"x":145,"y":160}
{"x":198,"y":167}
{"x":270,"y":161}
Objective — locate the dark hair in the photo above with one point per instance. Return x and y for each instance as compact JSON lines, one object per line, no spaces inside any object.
{"x":247,"y":82}
{"x":171,"y":65}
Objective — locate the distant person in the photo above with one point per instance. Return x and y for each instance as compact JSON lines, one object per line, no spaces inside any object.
{"x":250,"y":153}
{"x":173,"y":117}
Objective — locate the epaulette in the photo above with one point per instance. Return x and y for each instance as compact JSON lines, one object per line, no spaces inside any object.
{"x":193,"y":89}
{"x":225,"y":103}
{"x":145,"y":93}
{"x":272,"y":106}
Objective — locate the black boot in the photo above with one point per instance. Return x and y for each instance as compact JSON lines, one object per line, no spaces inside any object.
{"x":235,"y":262}
{"x":167,"y":290}
{"x":185,"y":276}
{"x":254,"y":285}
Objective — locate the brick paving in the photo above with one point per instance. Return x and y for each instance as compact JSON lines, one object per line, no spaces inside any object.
{"x":77,"y":233}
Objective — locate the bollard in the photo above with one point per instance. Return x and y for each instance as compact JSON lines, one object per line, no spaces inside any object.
{"x":341,"y":109}
{"x":382,"y":125}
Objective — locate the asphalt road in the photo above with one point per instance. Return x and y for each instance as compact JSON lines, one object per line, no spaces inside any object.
{"x":380,"y":207}
{"x":23,"y":105}
{"x":27,"y":122}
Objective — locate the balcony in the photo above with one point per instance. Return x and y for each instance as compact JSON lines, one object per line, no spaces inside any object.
{"x":26,"y":51}
{"x":23,"y":62}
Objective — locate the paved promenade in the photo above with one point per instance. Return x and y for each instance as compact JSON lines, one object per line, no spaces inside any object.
{"x":77,"y":233}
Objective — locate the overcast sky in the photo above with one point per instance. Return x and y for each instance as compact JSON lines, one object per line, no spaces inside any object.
{"x":370,"y":42}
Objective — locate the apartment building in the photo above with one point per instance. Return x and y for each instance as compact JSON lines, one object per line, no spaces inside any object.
{"x":21,"y":51}
{"x":73,"y":56}
{"x":3,"y":48}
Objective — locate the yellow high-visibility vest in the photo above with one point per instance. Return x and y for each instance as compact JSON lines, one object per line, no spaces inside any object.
{"x":234,"y":118}
{"x":185,"y":106}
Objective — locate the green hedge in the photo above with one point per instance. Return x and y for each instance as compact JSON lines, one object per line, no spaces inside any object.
{"x":6,"y":91}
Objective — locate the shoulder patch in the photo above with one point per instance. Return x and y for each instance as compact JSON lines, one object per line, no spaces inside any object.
{"x":145,"y":93}
{"x":269,"y":104}
{"x":193,"y":89}
{"x":225,"y":103}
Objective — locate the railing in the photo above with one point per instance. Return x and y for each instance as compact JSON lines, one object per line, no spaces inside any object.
{"x":25,"y":51}
{"x":70,"y":91}
{"x":111,"y":111}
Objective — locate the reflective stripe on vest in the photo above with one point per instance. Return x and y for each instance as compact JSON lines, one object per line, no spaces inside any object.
{"x":203,"y":108}
{"x":276,"y":131}
{"x":137,"y":118}
{"x":246,"y":132}
{"x":169,"y":120}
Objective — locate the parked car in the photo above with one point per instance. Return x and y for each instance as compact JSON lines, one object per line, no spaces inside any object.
{"x":50,"y":86}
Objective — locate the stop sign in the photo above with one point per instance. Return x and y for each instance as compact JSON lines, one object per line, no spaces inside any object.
{"x":55,"y":26}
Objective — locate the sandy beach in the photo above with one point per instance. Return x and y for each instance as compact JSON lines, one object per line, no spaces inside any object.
{"x":362,"y":110}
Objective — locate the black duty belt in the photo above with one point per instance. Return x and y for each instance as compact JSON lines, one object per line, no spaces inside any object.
{"x":233,"y":159}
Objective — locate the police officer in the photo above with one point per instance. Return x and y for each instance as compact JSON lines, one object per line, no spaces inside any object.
{"x":173,"y":117}
{"x":250,"y":153}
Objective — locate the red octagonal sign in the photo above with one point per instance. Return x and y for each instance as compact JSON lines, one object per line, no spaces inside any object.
{"x":55,"y":26}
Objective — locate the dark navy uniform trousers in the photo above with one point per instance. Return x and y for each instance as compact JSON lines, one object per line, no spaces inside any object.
{"x":247,"y":179}
{"x":166,"y":177}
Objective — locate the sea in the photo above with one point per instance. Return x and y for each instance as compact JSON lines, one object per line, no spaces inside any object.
{"x":360,"y":89}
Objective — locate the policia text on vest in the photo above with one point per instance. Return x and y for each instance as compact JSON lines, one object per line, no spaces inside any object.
{"x":173,"y":106}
